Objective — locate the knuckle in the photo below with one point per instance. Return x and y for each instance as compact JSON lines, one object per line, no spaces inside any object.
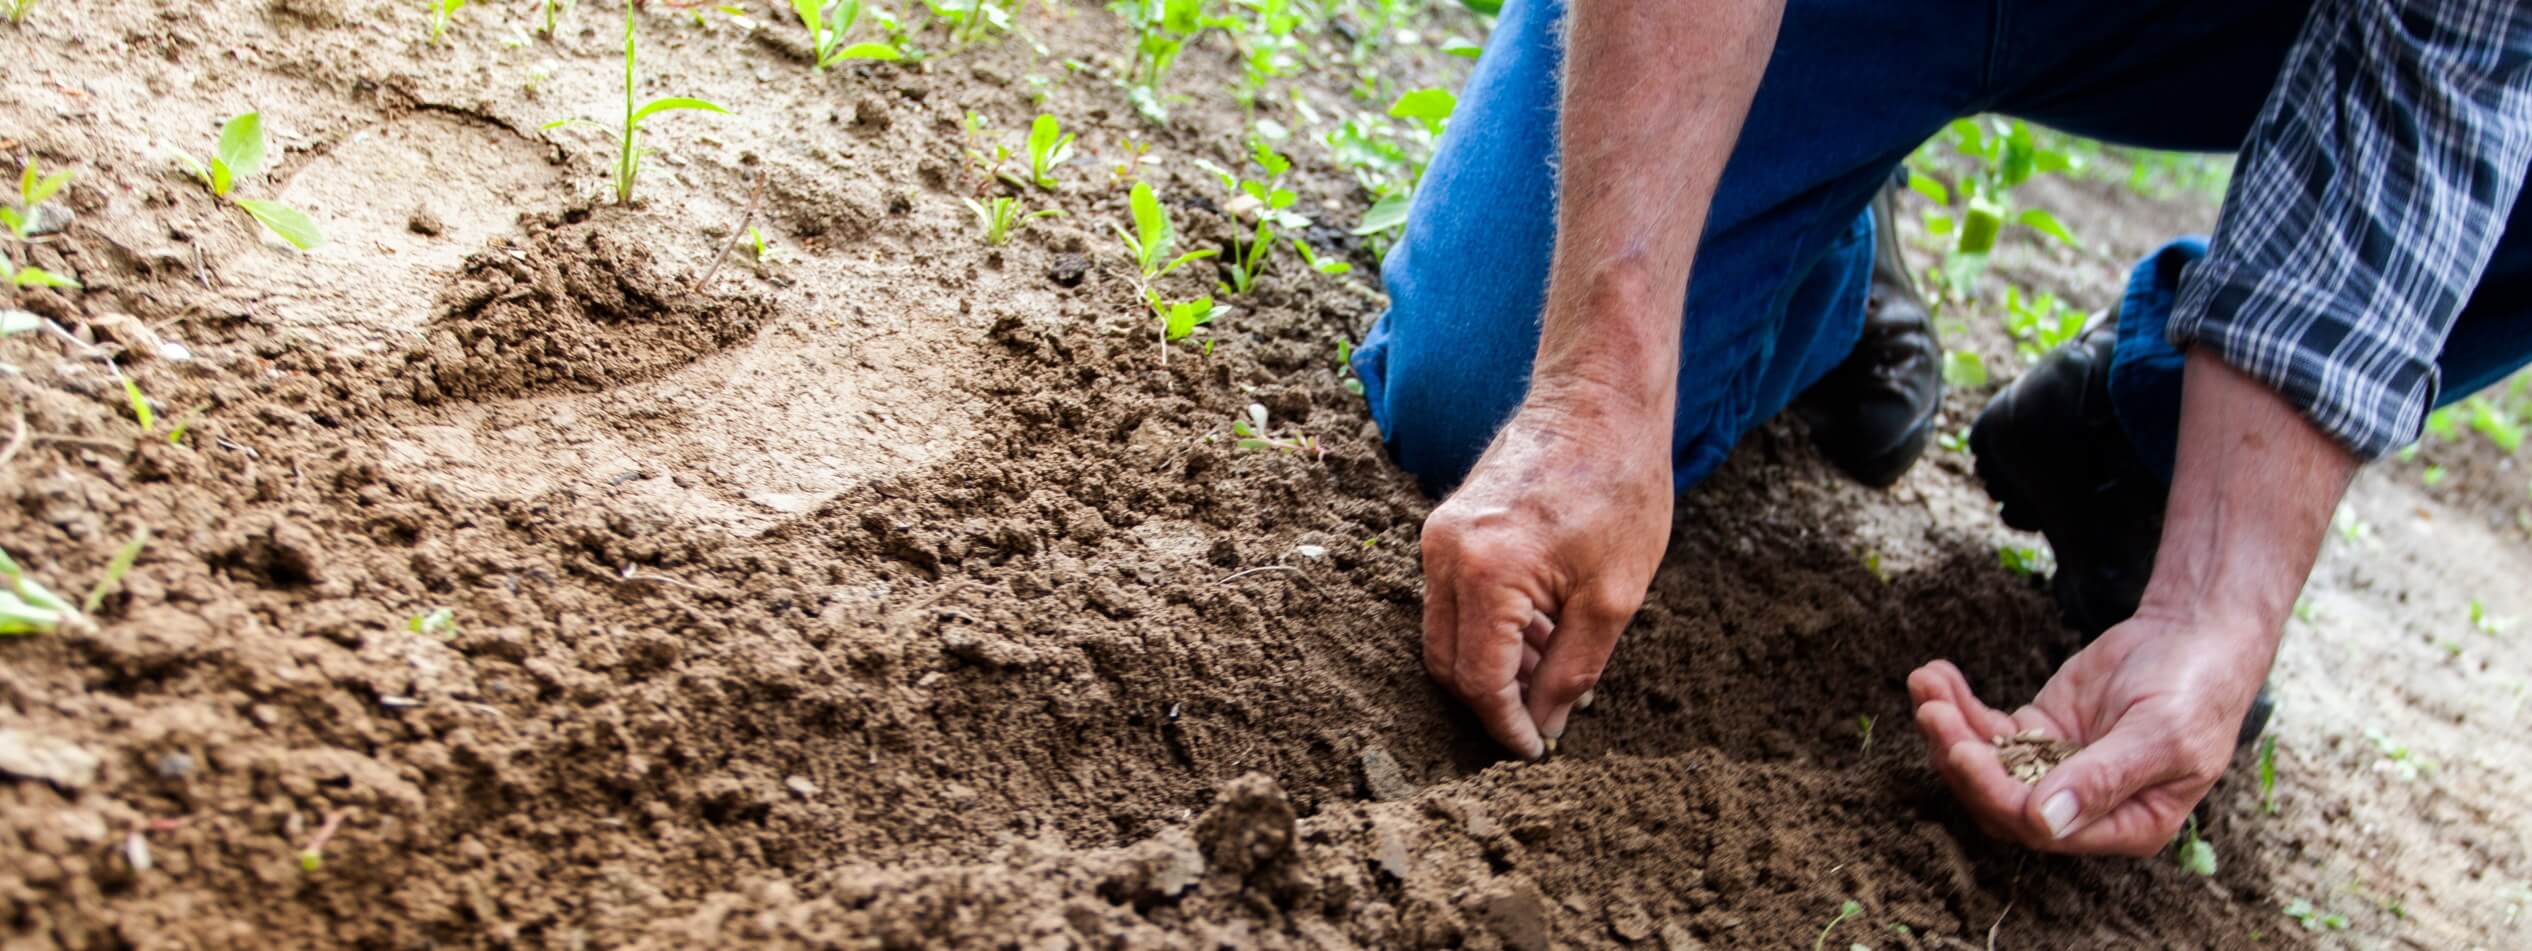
{"x":1568,"y":686}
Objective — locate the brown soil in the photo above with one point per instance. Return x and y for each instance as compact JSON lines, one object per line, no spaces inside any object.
{"x":891,"y":595}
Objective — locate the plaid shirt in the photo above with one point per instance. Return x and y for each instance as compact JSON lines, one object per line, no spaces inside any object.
{"x":2365,"y":204}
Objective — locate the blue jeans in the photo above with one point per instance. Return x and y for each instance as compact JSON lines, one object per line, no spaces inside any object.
{"x":1777,"y":296}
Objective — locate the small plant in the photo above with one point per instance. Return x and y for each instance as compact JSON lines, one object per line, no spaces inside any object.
{"x":18,"y":9}
{"x":442,"y":11}
{"x":629,"y":151}
{"x":550,"y":14}
{"x":2484,"y":622}
{"x":437,"y":622}
{"x":2025,"y":561}
{"x":26,"y":606}
{"x":1270,"y":201}
{"x":1253,"y":434}
{"x":2268,"y":774}
{"x":2040,"y":323}
{"x":2007,"y":153}
{"x":1001,"y":216}
{"x":29,"y":275}
{"x":1049,"y":146}
{"x":241,"y":155}
{"x":1311,"y":259}
{"x":1130,"y":160}
{"x":970,"y":20}
{"x":116,"y":568}
{"x":828,"y":22}
{"x":2397,"y":759}
{"x":34,"y":189}
{"x":1149,"y":246}
{"x":1845,"y":911}
{"x":1345,"y":367}
{"x":2313,"y":919}
{"x":1964,"y":369}
{"x":1864,"y":722}
{"x":1162,"y":31}
{"x":1430,"y":108}
{"x":2195,"y":853}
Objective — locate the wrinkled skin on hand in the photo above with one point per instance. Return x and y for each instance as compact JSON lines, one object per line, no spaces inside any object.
{"x":2155,"y":703}
{"x":1535,"y":564}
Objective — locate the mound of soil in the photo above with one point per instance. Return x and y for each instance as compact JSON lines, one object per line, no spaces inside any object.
{"x":895,"y":595}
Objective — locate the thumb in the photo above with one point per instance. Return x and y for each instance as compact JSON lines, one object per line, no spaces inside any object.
{"x":2099,"y":779}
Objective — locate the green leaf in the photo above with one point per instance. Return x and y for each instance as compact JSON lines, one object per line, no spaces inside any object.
{"x":140,"y":406}
{"x":1461,"y":47}
{"x":221,"y":178}
{"x":2198,"y":857}
{"x":2038,"y":219}
{"x":1151,"y":226}
{"x":672,"y":104}
{"x":1429,"y":106}
{"x":1189,"y":256}
{"x":1926,"y":185}
{"x":292,"y":225}
{"x":115,"y":570}
{"x":877,"y":51}
{"x":32,"y":276}
{"x":1964,"y":369}
{"x":1389,"y":212}
{"x":1487,"y":7}
{"x":34,"y":192}
{"x":242,"y":147}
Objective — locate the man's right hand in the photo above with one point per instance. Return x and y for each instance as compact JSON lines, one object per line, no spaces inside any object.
{"x":1534,"y":566}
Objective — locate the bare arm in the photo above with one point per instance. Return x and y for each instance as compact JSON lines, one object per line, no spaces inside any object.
{"x":2157,"y":699}
{"x":1535,"y":565}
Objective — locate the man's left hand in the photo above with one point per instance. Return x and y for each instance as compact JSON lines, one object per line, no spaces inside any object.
{"x":2155,"y":704}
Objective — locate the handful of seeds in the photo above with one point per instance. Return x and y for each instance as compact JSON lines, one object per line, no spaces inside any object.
{"x":2029,"y":755}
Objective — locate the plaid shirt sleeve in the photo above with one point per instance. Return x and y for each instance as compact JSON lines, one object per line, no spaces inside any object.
{"x":2366,"y":202}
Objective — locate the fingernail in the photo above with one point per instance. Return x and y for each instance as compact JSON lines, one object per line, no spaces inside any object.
{"x":1550,"y":744}
{"x":2058,"y":812}
{"x":1585,"y":702}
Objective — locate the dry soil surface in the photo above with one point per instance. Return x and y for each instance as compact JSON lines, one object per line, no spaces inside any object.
{"x":896,"y":593}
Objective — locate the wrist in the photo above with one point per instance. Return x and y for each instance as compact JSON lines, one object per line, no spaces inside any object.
{"x":1608,"y":347}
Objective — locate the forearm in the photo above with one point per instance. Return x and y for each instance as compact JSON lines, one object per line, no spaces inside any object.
{"x":2251,"y":499}
{"x":1654,"y":95}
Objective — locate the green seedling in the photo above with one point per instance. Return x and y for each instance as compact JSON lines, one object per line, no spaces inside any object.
{"x":1001,"y":216}
{"x":1964,"y":369}
{"x":2433,"y":476}
{"x":1269,"y":50}
{"x":443,"y":11}
{"x":2025,"y":561}
{"x":1311,"y":259}
{"x":121,"y":565}
{"x":2445,"y":424}
{"x":2313,"y":919}
{"x":241,"y":155}
{"x":29,"y":275}
{"x":970,"y":20}
{"x":2497,"y":422}
{"x":1253,"y":434}
{"x":1130,"y":157}
{"x":142,"y":411}
{"x":18,"y":9}
{"x":2350,"y":526}
{"x":1873,"y":565}
{"x":26,"y":606}
{"x":2485,"y":622}
{"x":2040,"y":323}
{"x":1864,"y":722}
{"x":1269,"y":201}
{"x":437,"y":622}
{"x":2007,"y":153}
{"x":1149,"y":246}
{"x":550,"y":15}
{"x":629,"y":150}
{"x":1345,"y":367}
{"x":1845,"y":911}
{"x":1430,"y":108}
{"x":2268,"y":774}
{"x":2397,"y":758}
{"x":34,"y":188}
{"x":1049,"y":146}
{"x":1162,"y":30}
{"x":828,"y":23}
{"x":1954,"y":441}
{"x":2195,"y":853}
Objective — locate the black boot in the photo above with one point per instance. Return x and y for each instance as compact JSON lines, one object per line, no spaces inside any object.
{"x":2050,"y":448}
{"x":1872,"y":416}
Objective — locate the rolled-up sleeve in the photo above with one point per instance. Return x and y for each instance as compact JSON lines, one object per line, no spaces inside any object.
{"x":2365,"y":204}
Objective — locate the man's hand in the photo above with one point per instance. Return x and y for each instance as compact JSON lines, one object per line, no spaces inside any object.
{"x":2155,"y":703}
{"x":1533,"y":567}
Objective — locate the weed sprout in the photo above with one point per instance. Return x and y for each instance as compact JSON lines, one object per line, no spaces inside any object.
{"x":1251,"y":428}
{"x":828,"y":22}
{"x":1001,"y":216}
{"x":629,"y":151}
{"x":240,"y":155}
{"x":1049,"y":146}
{"x":442,"y":12}
{"x":1149,"y":246}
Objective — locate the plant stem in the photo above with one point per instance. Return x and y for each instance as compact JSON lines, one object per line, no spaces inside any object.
{"x":627,"y":159}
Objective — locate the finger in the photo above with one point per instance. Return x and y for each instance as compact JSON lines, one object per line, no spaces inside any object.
{"x":1441,"y":617}
{"x":2097,"y":781}
{"x":1529,"y":663}
{"x":1940,"y":681}
{"x":1539,"y":631}
{"x":1978,"y":777}
{"x":1486,"y":660}
{"x":1586,"y":633}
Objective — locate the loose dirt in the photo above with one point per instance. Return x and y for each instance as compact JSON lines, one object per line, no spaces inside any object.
{"x":894,"y":594}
